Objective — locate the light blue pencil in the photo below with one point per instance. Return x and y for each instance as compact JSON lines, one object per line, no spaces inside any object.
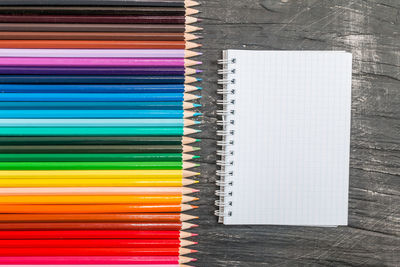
{"x":96,"y":122}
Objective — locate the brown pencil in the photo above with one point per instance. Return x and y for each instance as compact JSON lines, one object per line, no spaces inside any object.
{"x":98,"y":19}
{"x":65,"y":27}
{"x":110,"y":36}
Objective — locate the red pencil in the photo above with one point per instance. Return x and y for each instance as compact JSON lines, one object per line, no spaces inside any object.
{"x":96,"y":243}
{"x":113,"y":234}
{"x":106,"y":260}
{"x":95,"y":251}
{"x":97,"y":226}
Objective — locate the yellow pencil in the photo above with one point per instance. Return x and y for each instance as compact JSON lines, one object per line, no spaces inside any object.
{"x":94,"y":182}
{"x":97,"y":174}
{"x":143,"y":199}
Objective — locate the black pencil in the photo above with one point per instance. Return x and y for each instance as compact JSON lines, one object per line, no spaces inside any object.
{"x":156,"y":3}
{"x":94,"y":140}
{"x":96,"y":10}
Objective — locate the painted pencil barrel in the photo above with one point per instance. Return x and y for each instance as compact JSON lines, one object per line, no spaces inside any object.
{"x":84,"y":79}
{"x":91,"y":122}
{"x":90,"y":165}
{"x":99,"y":53}
{"x":107,"y":157}
{"x":92,"y":131}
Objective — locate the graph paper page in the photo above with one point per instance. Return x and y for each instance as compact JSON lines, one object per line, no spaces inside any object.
{"x":291,"y":137}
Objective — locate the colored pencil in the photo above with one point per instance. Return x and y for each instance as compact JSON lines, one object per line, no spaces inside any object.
{"x":161,"y":3}
{"x":93,"y":97}
{"x":96,"y":165}
{"x":144,"y":182}
{"x":106,"y":140}
{"x":103,"y":174}
{"x":96,"y":243}
{"x":95,"y":131}
{"x":116,"y":36}
{"x":98,"y":191}
{"x":95,"y":251}
{"x":173,"y":71}
{"x":101,"y":234}
{"x":96,"y":62}
{"x":116,"y":28}
{"x":79,"y":79}
{"x":98,"y":53}
{"x":98,"y":208}
{"x":97,"y":44}
{"x":153,"y":226}
{"x":104,"y":260}
{"x":120,"y":199}
{"x":97,"y":105}
{"x":97,"y":10}
{"x":129,"y":217}
{"x":106,"y":157}
{"x":98,"y":19}
{"x":99,"y":114}
{"x":99,"y":149}
{"x":96,"y":122}
{"x":97,"y":88}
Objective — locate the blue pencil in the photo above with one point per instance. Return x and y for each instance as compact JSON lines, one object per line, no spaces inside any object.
{"x":134,"y":114}
{"x":96,"y":122}
{"x":97,"y":105}
{"x":83,"y":79}
{"x":96,"y":88}
{"x":54,"y":97}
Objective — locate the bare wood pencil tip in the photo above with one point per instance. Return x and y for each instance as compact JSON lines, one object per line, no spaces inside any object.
{"x":191,"y":11}
{"x":190,"y":28}
{"x":188,"y":140}
{"x":190,"y":3}
{"x":185,"y":243}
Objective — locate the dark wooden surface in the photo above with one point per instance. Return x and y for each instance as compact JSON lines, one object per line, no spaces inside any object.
{"x":371,"y":31}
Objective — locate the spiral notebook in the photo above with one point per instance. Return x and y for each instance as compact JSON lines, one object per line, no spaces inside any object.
{"x":285,"y":137}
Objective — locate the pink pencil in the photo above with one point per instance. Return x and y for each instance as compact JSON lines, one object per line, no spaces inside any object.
{"x":95,"y":260}
{"x":95,"y":62}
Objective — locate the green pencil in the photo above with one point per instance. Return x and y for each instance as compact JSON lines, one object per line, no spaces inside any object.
{"x":173,"y":165}
{"x":163,"y":157}
{"x":98,"y":149}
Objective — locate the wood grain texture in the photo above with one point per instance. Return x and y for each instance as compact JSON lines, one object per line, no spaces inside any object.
{"x":370,"y":29}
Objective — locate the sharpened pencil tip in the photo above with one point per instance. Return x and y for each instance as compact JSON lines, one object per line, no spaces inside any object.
{"x":198,"y":131}
{"x":195,"y":243}
{"x":194,"y":234}
{"x":196,"y":148}
{"x":194,"y":226}
{"x":195,"y":207}
{"x":199,"y":71}
{"x":196,"y":182}
{"x":199,"y":79}
{"x":195,"y":157}
{"x":197,"y":122}
{"x":195,"y":191}
{"x":199,"y":88}
{"x":196,"y":105}
{"x":197,"y":114}
{"x":193,"y":251}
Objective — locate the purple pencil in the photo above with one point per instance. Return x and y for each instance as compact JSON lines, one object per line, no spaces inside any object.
{"x":96,"y":71}
{"x":96,"y":62}
{"x":118,"y":53}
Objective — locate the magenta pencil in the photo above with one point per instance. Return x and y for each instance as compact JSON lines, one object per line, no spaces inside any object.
{"x":95,"y":62}
{"x":51,"y":260}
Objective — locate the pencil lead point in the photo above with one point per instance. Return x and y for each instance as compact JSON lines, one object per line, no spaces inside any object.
{"x":199,"y":88}
{"x":194,"y":226}
{"x":199,"y":79}
{"x":197,"y":122}
{"x":199,"y":71}
{"x":198,"y":131}
{"x":196,"y":148}
{"x":195,"y":234}
{"x":196,"y":157}
{"x":196,"y":182}
{"x":196,"y":105}
{"x":198,"y":140}
{"x":197,"y":114}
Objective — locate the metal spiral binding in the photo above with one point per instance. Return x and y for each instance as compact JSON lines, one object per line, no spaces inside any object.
{"x":225,"y":153}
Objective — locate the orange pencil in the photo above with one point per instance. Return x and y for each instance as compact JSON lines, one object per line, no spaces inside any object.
{"x":118,"y":208}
